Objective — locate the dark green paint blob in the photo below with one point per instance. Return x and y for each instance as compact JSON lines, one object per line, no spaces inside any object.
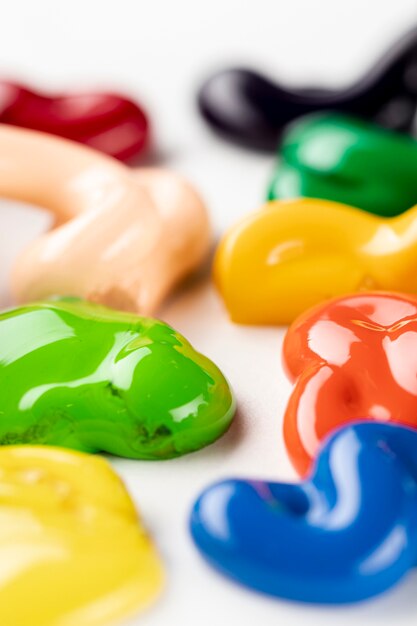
{"x":347,"y":160}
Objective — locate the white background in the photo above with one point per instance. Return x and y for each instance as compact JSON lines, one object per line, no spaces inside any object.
{"x":159,"y":50}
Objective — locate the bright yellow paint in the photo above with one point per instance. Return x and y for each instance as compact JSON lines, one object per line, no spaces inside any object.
{"x":293,"y":254}
{"x":72,"y":551}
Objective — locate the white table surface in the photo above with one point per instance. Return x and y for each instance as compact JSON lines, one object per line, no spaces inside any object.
{"x":159,"y":50}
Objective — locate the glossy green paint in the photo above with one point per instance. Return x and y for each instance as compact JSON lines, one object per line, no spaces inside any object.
{"x":82,"y":376}
{"x":347,"y":160}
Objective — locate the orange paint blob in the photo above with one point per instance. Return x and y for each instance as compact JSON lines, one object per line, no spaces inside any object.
{"x":351,"y":359}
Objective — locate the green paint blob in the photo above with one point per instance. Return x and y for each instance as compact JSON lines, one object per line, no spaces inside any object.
{"x":82,"y":376}
{"x":347,"y":160}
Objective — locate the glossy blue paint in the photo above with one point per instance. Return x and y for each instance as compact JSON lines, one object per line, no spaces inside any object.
{"x":346,"y":534}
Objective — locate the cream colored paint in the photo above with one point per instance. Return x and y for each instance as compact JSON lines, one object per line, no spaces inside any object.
{"x":122,"y":237}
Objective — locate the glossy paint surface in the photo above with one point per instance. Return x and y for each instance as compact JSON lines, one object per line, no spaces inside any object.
{"x":107,"y":122}
{"x":347,"y":160}
{"x":345,"y":534}
{"x":291,"y":255}
{"x":352,"y":358}
{"x":73,"y":551}
{"x":252,"y":110}
{"x":121,"y":237}
{"x":82,"y":376}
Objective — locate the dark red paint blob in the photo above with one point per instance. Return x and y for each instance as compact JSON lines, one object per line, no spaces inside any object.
{"x":105,"y":121}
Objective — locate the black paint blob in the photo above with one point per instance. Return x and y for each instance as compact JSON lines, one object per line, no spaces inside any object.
{"x":251,"y":110}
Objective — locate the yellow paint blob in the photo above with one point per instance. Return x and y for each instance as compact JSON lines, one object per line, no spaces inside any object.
{"x":72,"y":550}
{"x":291,"y":255}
